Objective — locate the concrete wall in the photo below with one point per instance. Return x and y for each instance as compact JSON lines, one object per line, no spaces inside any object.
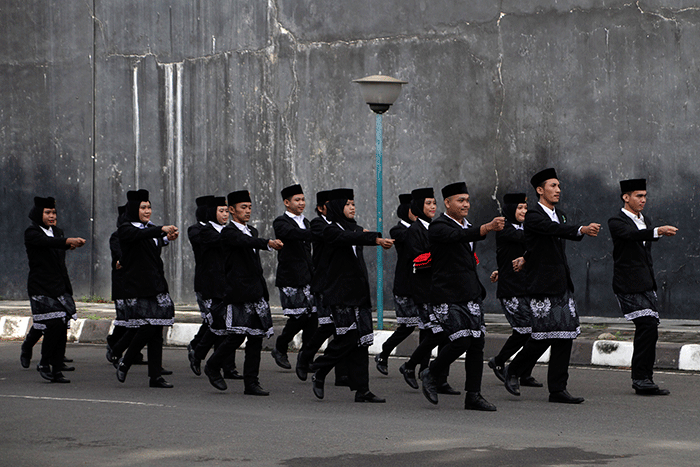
{"x":197,"y":97}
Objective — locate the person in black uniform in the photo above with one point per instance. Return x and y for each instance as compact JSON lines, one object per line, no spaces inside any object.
{"x":294,"y":275}
{"x":633,"y":280}
{"x":246,"y":296}
{"x":49,"y":288}
{"x":555,"y":321}
{"x":456,"y":295}
{"x":346,"y":292}
{"x":148,"y":304}
{"x":406,"y":311}
{"x":512,"y":285}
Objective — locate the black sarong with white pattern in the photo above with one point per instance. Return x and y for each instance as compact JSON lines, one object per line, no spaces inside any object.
{"x":120,"y":307}
{"x":424,"y":312}
{"x":250,"y":319}
{"x":518,"y":314}
{"x":323,"y":312}
{"x":297,"y":301}
{"x":45,"y":308}
{"x":157,"y":311}
{"x":461,"y":319}
{"x":554,"y":317}
{"x":433,"y":322}
{"x":347,"y":318}
{"x":639,"y":304}
{"x":406,"y":311}
{"x":213,"y":311}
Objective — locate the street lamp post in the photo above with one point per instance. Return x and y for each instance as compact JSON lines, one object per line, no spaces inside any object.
{"x":379,"y":92}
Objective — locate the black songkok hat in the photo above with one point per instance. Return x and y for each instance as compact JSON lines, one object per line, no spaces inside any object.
{"x":341,"y":193}
{"x":140,"y":195}
{"x":422,"y":193}
{"x":322,"y":197}
{"x":241,"y":196}
{"x":201,"y":212}
{"x":543,"y":176}
{"x":45,"y":203}
{"x":291,"y":191}
{"x":203,"y":200}
{"x":635,"y":184}
{"x":514,"y":198}
{"x":454,"y":189}
{"x":405,"y":198}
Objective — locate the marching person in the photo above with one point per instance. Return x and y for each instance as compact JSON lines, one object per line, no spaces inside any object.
{"x":49,"y":288}
{"x":512,"y":285}
{"x":555,"y":321}
{"x":147,"y":299}
{"x":633,"y":280}
{"x":456,"y":295}
{"x":246,"y":298}
{"x":294,"y":275}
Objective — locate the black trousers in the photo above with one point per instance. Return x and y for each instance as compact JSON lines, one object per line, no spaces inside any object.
{"x":646,"y":333}
{"x":117,"y":333}
{"x":306,"y":323}
{"x":513,"y":344}
{"x":398,"y":336}
{"x":558,"y":369}
{"x":54,"y":345}
{"x":31,"y":339}
{"x":323,"y":333}
{"x":251,"y":364}
{"x":126,"y":335}
{"x":473,"y":360}
{"x":427,"y":342}
{"x":151,"y":336}
{"x":201,"y":332}
{"x":346,"y":347}
{"x":209,"y":340}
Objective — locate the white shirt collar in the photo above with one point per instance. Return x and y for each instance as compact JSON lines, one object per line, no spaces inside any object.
{"x":243,"y":228}
{"x":638,"y":220}
{"x":326,"y":219}
{"x":464,"y":224}
{"x":405,"y":224}
{"x":425,"y":224}
{"x":217,"y":226}
{"x":298,"y":219}
{"x":48,"y":231}
{"x":518,"y":226}
{"x":550,"y":212}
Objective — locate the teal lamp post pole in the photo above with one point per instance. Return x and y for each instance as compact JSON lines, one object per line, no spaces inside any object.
{"x":380,"y":92}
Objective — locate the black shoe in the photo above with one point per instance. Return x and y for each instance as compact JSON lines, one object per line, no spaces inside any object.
{"x":530,"y":382}
{"x":45,"y":372}
{"x":511,"y":382}
{"x":409,"y":376}
{"x":497,"y":370}
{"x":67,"y":360}
{"x":195,"y":363}
{"x":647,"y":387}
{"x":382,"y":365}
{"x":564,"y":397}
{"x":368,"y":397}
{"x":429,"y":386}
{"x":121,"y":371}
{"x":232,"y":374}
{"x":317,"y":385}
{"x":281,"y":359}
{"x":164,"y":372}
{"x":215,"y":378}
{"x":302,"y":371}
{"x":159,"y":382}
{"x":59,"y":378}
{"x":255,"y":390}
{"x":475,"y":401}
{"x":445,"y":388}
{"x":25,"y":359}
{"x":108,"y":355}
{"x":342,"y":381}
{"x":139,"y":360}
{"x":65,"y":367}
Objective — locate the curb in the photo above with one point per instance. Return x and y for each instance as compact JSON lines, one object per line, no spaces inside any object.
{"x":609,"y":353}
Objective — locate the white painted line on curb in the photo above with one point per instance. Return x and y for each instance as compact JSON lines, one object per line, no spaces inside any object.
{"x":612,"y":353}
{"x":689,"y":358}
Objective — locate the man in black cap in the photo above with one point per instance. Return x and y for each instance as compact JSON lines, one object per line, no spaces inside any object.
{"x":555,"y":322}
{"x":49,"y":288}
{"x":457,"y":294}
{"x":633,"y":280}
{"x":294,"y":274}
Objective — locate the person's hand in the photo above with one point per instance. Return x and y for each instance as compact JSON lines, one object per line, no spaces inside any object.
{"x":385,"y":243}
{"x":75,"y":242}
{"x":591,"y":229}
{"x":668,"y":230}
{"x":275,"y":244}
{"x":518,"y":264}
{"x":494,"y":226}
{"x":169,"y":229}
{"x":494,"y":276}
{"x":118,"y":265}
{"x":173,"y":236}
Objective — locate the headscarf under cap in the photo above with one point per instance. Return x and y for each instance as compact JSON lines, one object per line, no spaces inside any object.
{"x":510,"y":205}
{"x":133,"y":201}
{"x":36,"y":213}
{"x":542,"y":176}
{"x":454,"y":189}
{"x":213,"y":206}
{"x":291,"y":191}
{"x":418,"y":198}
{"x":337,"y":199}
{"x":201,"y":212}
{"x":120,"y":214}
{"x":321,"y":199}
{"x":635,"y":184}
{"x":404,"y":207}
{"x":240,"y":196}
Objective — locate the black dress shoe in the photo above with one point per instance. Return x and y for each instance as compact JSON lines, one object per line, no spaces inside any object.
{"x":429,"y":386}
{"x":317,"y":386}
{"x":215,"y":378}
{"x":159,"y":382}
{"x":25,"y":359}
{"x":563,"y":397}
{"x":232,"y":374}
{"x":342,"y":381}
{"x":302,"y":371}
{"x":65,"y":367}
{"x":59,"y":378}
{"x":530,"y":382}
{"x":122,"y":371}
{"x":511,"y":382}
{"x":475,"y":401}
{"x":382,"y":364}
{"x":45,"y":372}
{"x":281,"y":359}
{"x":67,"y":360}
{"x":195,"y":363}
{"x":164,"y":372}
{"x":255,"y":390}
{"x":497,"y":370}
{"x":368,"y":397}
{"x":108,"y":355}
{"x":409,"y":376}
{"x":445,"y":388}
{"x":647,"y":387}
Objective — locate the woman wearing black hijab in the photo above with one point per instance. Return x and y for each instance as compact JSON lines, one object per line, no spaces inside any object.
{"x":148,"y":304}
{"x":346,"y":292}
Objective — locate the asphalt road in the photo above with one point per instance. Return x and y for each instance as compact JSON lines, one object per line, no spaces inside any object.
{"x":97,"y":421}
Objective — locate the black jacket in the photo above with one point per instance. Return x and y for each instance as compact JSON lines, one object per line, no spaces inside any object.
{"x":142,"y":267}
{"x":245,"y":282}
{"x":634,"y":270}
{"x":404,"y":264}
{"x":211,"y":281}
{"x":47,"y":262}
{"x":117,"y":274}
{"x":294,"y":265}
{"x":546,"y":268}
{"x":453,"y":262}
{"x":346,"y":281}
{"x":193,"y":232}
{"x":319,"y":257}
{"x":510,"y":244}
{"x":417,"y":243}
